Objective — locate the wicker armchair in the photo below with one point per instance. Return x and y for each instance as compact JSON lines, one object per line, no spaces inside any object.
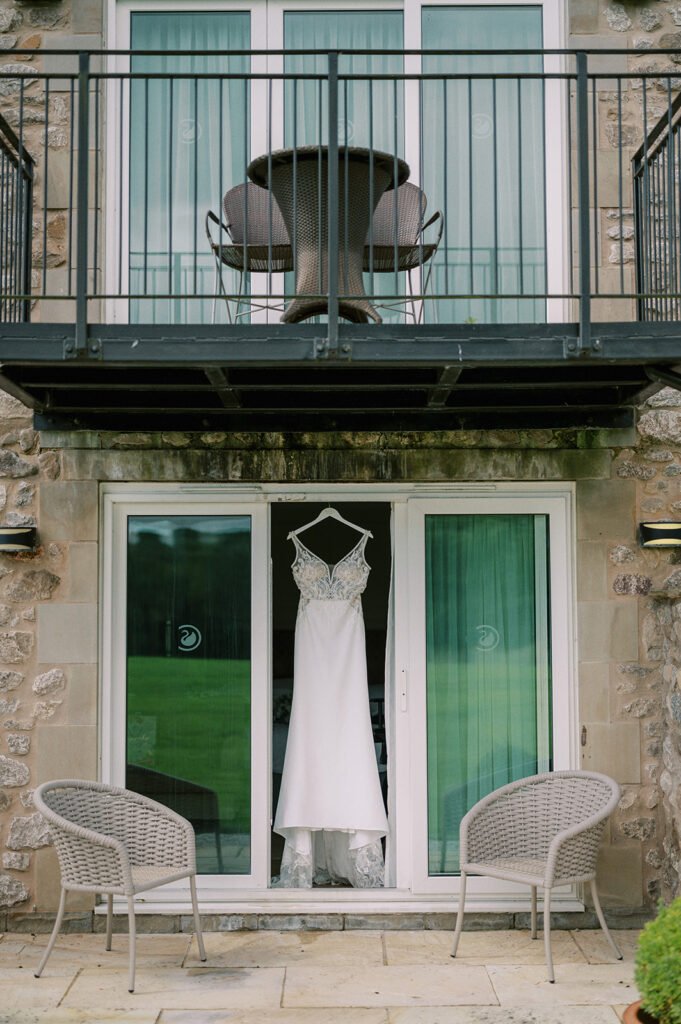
{"x":255,"y":240}
{"x":544,"y":831}
{"x":396,"y":242}
{"x":114,"y":841}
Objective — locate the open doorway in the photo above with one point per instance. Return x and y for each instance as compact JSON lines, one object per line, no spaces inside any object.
{"x":331,"y":540}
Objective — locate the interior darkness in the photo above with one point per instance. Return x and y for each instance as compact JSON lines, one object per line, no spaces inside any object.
{"x":331,"y":540}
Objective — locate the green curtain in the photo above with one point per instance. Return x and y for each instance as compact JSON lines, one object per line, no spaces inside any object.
{"x":487,"y":672}
{"x":483,"y":147}
{"x":188,"y":144}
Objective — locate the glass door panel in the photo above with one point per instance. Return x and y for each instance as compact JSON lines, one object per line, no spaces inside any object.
{"x":189,"y":142}
{"x":487,"y":669}
{"x":483,"y":162}
{"x":188,"y":717}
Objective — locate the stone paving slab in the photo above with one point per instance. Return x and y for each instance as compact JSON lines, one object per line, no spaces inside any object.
{"x":504,"y":1015}
{"x":272,"y":949}
{"x":576,"y":985}
{"x":316,"y":1016}
{"x":427,"y":985}
{"x":91,"y":1016}
{"x":188,"y":989}
{"x":19,"y":990}
{"x":507,"y":947}
{"x":75,"y":951}
{"x":596,"y":947}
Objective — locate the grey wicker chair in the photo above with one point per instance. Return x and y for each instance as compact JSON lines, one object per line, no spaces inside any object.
{"x":544,"y":831}
{"x":396,"y":241}
{"x":115,"y":842}
{"x":252,"y":239}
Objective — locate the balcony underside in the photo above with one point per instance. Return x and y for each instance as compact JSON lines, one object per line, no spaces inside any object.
{"x":282,"y":377}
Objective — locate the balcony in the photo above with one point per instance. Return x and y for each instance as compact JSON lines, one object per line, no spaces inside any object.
{"x":546,"y":293}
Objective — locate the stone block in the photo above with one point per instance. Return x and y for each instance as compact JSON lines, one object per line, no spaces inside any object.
{"x":592,"y":583}
{"x":620,"y":875}
{"x":66,"y":752}
{"x":300,"y":922}
{"x":384,"y":922}
{"x":86,"y":16}
{"x":221,"y":922}
{"x":583,"y":19}
{"x":58,"y":64}
{"x":56,"y":311}
{"x":42,"y":924}
{"x":83,"y":572}
{"x":606,"y":510}
{"x":69,"y":510}
{"x":594,"y":691}
{"x":608,"y":630}
{"x":147,"y":924}
{"x":67,"y":633}
{"x":614,"y":749}
{"x":81,"y":699}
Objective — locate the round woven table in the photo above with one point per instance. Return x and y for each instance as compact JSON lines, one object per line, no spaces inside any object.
{"x":299,"y":181}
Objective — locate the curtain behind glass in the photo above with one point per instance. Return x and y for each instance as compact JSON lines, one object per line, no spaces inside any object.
{"x":487,"y":667}
{"x":483,"y":144}
{"x":370,"y":114}
{"x":188,"y":144}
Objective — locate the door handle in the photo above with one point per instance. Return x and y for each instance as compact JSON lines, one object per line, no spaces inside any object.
{"x":404,"y":679}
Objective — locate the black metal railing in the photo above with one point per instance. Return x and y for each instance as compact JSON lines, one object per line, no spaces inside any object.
{"x":525,"y":156}
{"x":656,"y":168}
{"x":16,"y":200}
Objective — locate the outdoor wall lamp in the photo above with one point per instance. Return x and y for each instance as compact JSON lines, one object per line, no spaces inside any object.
{"x":14,"y":539}
{"x":660,"y":535}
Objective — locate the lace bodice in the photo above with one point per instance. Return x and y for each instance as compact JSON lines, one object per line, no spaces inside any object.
{"x":317,"y":580}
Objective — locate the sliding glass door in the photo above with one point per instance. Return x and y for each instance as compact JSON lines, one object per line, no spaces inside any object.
{"x":483,"y":596}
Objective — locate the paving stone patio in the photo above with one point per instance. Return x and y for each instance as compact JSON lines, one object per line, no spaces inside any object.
{"x":336,"y":977}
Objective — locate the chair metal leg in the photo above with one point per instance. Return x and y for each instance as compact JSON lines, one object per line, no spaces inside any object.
{"x":459,"y":918}
{"x":131,"y":941}
{"x":547,"y":935}
{"x":533,"y":913}
{"x":109,"y":920}
{"x":197,"y":919}
{"x":601,"y":919}
{"x":55,"y":932}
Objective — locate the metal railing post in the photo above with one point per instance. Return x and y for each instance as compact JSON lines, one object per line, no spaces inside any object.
{"x":584,"y":339}
{"x":332,"y":186}
{"x":82,"y":202}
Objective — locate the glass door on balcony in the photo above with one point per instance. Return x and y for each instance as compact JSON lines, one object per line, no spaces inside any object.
{"x":189,"y":140}
{"x":483,"y":158}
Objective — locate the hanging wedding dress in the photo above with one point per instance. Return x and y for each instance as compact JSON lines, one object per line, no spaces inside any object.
{"x":330,"y":808}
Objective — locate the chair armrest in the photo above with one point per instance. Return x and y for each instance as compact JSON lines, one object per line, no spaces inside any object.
{"x":88,"y":860}
{"x":436,"y":216}
{"x":211,"y":217}
{"x":573,"y":853}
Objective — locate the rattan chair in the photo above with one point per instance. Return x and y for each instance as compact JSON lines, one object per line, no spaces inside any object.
{"x":115,"y":842}
{"x":396,"y":241}
{"x":544,"y":831}
{"x":252,"y":239}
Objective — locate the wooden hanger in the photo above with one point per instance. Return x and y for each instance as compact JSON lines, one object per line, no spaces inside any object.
{"x":325,"y":513}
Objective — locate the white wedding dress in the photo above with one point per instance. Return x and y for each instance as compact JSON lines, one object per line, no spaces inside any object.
{"x":330,"y":808}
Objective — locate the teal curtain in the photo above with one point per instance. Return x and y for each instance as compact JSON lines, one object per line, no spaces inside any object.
{"x":487,"y":674}
{"x":188,"y":144}
{"x":370,"y":114}
{"x":483,"y":146}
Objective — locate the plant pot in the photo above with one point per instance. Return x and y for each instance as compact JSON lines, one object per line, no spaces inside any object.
{"x":634,"y":1014}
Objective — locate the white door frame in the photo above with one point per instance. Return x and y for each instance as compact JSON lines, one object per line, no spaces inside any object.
{"x":412,"y":890}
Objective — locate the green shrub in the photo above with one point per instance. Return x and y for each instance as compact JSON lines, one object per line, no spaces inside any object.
{"x":658,"y":965}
